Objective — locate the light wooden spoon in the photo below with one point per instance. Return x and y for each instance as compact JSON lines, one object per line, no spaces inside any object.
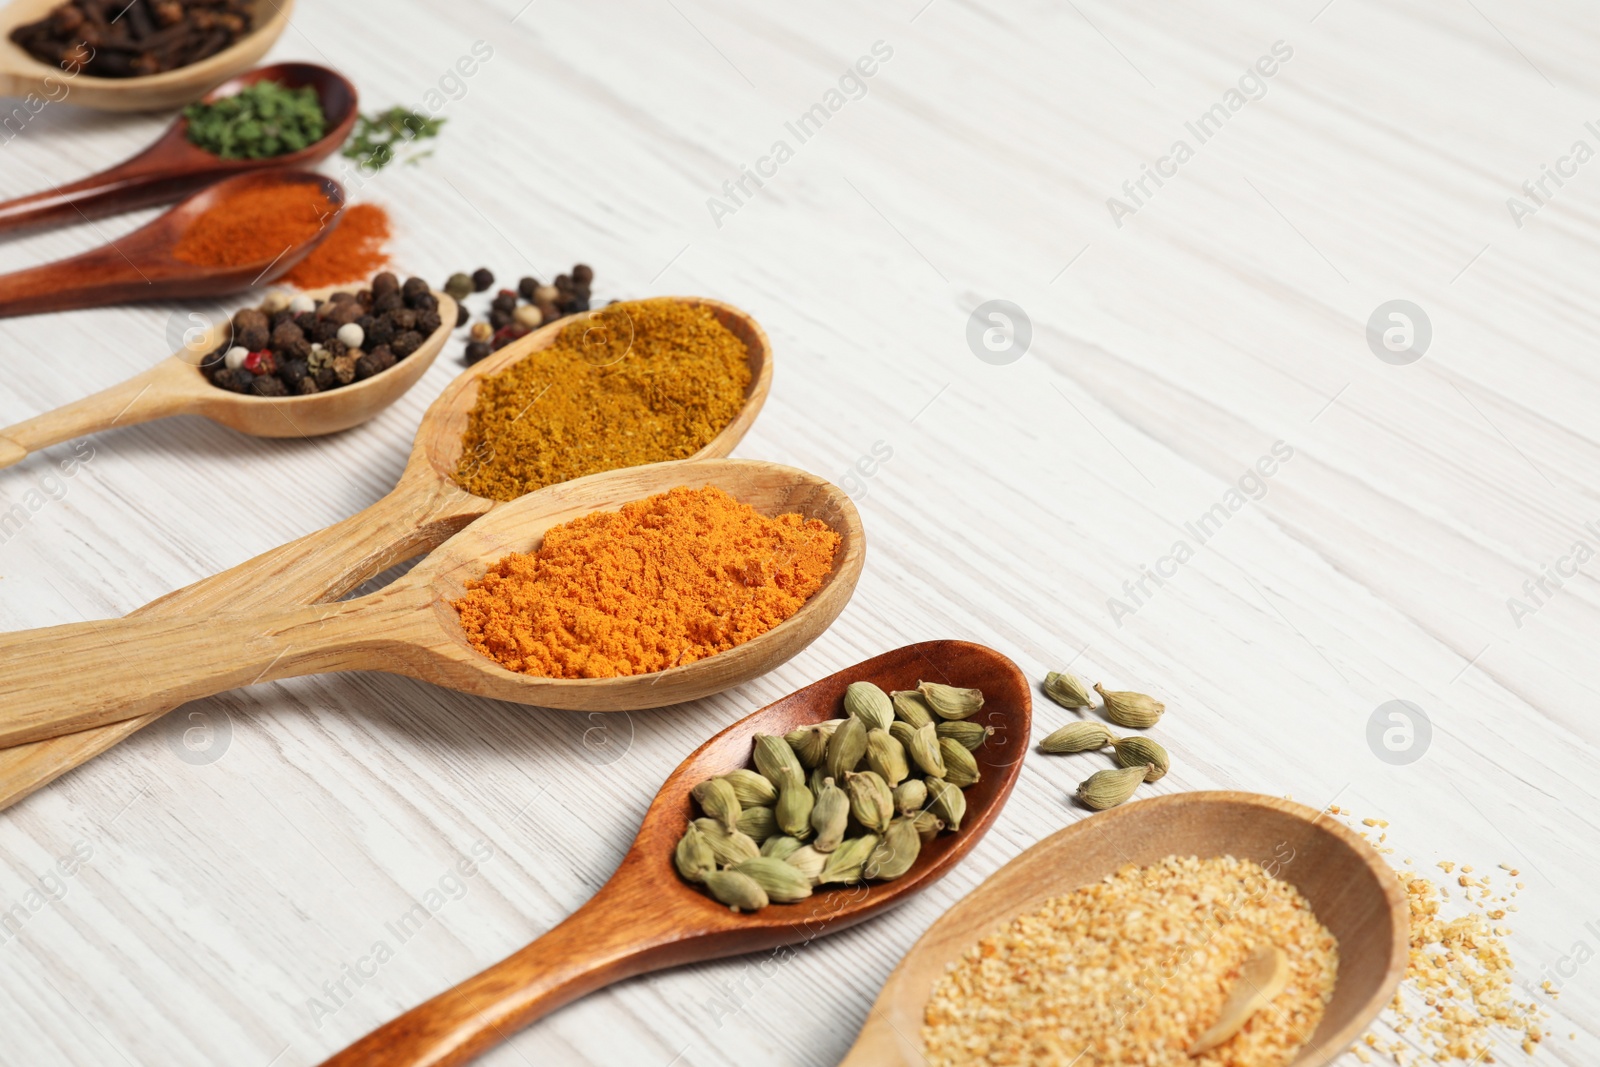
{"x":21,"y":74}
{"x":66,"y":678}
{"x":647,"y":918}
{"x":1354,"y":892}
{"x":420,"y":513}
{"x":1263,"y":976}
{"x":175,"y":386}
{"x":142,"y":266}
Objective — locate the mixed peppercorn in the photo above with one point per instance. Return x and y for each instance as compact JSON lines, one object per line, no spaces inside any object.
{"x":514,"y":313}
{"x":296,"y":346}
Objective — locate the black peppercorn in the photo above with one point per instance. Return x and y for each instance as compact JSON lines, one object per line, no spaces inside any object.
{"x":405,"y":343}
{"x":325,"y":378}
{"x":227,"y":378}
{"x":476,"y":350}
{"x":292,"y":371}
{"x":385,"y":283}
{"x":403,"y":319}
{"x":462,"y":315}
{"x":427,"y":322}
{"x":364,"y":298}
{"x":482,"y":278}
{"x":306,"y":386}
{"x":324,"y":330}
{"x":505,"y":300}
{"x":526,"y":287}
{"x":386,"y":302}
{"x":280,"y":317}
{"x":499,"y":318}
{"x":284,"y":335}
{"x":413,"y":287}
{"x":267,"y":385}
{"x":300,"y":349}
{"x":583,"y":274}
{"x":425,"y":302}
{"x":381,"y":332}
{"x":307,"y":321}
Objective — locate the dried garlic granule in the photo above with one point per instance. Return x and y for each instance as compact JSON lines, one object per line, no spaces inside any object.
{"x":1131,"y":969}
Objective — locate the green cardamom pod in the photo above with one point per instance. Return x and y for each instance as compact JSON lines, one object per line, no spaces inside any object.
{"x":752,"y":789}
{"x":902,"y":732}
{"x":928,"y":825}
{"x":846,"y":747}
{"x":729,"y":848}
{"x":947,"y":802}
{"x":910,"y":708}
{"x":758,"y":823}
{"x":887,"y":756}
{"x":810,"y":745}
{"x":871,"y":705}
{"x":895,"y":853}
{"x":808,"y":861}
{"x":949,"y":702}
{"x":1143,"y":752}
{"x":794,"y":811}
{"x":910,"y":796}
{"x":777,"y":762}
{"x":1084,"y":735}
{"x":960,"y":765}
{"x":716,"y":798}
{"x":924,"y":750}
{"x":871,"y":801}
{"x":845,"y":862}
{"x":738,"y":891}
{"x":819,"y":775}
{"x":780,"y":847}
{"x":1107,"y":789}
{"x":693,"y":856}
{"x":1065,"y":689}
{"x":970,"y":735}
{"x":1132,"y":710}
{"x":783,"y":883}
{"x":830,"y":816}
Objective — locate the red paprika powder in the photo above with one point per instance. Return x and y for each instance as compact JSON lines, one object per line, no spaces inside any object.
{"x":255,"y":225}
{"x":352,"y":251}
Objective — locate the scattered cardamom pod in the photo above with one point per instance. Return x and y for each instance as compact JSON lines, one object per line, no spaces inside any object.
{"x":924,"y":750}
{"x":896,"y":852}
{"x":846,"y":747}
{"x":901,"y":731}
{"x":1065,"y":689}
{"x":780,"y":847}
{"x":960,"y":766}
{"x":871,"y":801}
{"x":845,"y":862}
{"x":949,"y":702}
{"x":887,"y":756}
{"x":1107,"y":789}
{"x":716,"y":798}
{"x":871,"y":705}
{"x":1143,"y":752}
{"x":830,"y":816}
{"x":928,"y":825}
{"x":1132,"y":710}
{"x":777,"y":762}
{"x":1084,"y":735}
{"x":758,"y":823}
{"x":910,"y":796}
{"x":781,"y":881}
{"x":947,"y":802}
{"x":808,"y":861}
{"x":910,"y":708}
{"x":752,"y":789}
{"x":809,"y":743}
{"x":794,"y":811}
{"x":729,"y":848}
{"x":693,"y":856}
{"x":738,"y":891}
{"x":970,"y":735}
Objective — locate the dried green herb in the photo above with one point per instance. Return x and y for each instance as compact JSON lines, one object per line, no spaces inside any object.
{"x":378,"y":137}
{"x":258,"y":122}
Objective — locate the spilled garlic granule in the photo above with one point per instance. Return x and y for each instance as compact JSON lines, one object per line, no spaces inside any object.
{"x":1131,"y":969}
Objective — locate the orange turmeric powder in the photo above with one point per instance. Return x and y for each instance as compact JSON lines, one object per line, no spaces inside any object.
{"x":664,"y":582}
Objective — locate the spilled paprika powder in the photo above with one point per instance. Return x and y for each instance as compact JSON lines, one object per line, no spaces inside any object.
{"x":352,"y":251}
{"x":665,"y":581}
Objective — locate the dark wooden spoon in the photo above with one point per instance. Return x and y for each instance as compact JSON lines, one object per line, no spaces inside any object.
{"x":173,"y":167}
{"x":647,"y":918}
{"x":141,"y":265}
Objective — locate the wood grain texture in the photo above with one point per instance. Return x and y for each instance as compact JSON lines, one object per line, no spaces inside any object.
{"x":1168,"y":356}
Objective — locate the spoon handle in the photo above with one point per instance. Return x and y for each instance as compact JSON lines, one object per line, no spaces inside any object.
{"x":422,"y":512}
{"x":100,"y":276}
{"x":146,"y":179}
{"x":146,"y":396}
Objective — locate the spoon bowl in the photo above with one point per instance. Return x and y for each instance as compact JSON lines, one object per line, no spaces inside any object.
{"x":1352,"y":890}
{"x":142,"y":265}
{"x":173,"y":166}
{"x":646,"y":917}
{"x":419,"y":514}
{"x":21,"y":74}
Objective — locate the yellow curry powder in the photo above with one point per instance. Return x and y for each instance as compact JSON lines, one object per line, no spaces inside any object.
{"x":638,"y":382}
{"x":664,"y":582}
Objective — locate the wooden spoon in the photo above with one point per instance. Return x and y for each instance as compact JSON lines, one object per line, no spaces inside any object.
{"x":420,"y":513}
{"x":175,"y":386}
{"x":1353,"y":891}
{"x":22,"y":75}
{"x":141,"y":265}
{"x":117,"y":668}
{"x":1262,"y":977}
{"x":172,"y":167}
{"x":647,"y":918}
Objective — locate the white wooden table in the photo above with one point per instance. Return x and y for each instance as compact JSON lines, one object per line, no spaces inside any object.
{"x":216,"y":911}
